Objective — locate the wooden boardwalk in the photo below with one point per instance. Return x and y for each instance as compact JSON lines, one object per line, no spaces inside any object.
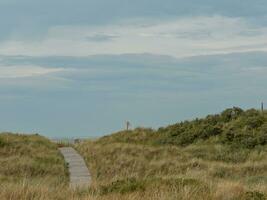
{"x":79,"y":173}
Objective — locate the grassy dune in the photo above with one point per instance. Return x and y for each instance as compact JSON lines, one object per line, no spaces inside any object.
{"x":31,"y":167}
{"x":199,"y":171}
{"x":220,"y":157}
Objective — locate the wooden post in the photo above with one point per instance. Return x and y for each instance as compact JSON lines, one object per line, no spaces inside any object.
{"x":262,"y":107}
{"x":128,"y":125}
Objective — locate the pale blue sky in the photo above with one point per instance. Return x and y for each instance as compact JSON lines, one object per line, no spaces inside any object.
{"x":82,"y":68}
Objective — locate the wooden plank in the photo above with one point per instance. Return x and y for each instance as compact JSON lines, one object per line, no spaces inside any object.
{"x":79,"y":173}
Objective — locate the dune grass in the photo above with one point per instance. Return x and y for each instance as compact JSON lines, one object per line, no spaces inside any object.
{"x":29,"y":161}
{"x":198,"y":171}
{"x":132,"y":171}
{"x":220,"y":157}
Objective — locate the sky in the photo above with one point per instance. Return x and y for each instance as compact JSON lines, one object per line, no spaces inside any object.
{"x":82,"y":68}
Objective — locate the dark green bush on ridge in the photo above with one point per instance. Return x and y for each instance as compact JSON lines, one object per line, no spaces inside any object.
{"x":234,"y":127}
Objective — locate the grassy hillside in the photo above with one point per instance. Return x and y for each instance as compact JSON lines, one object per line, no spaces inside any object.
{"x":220,"y":157}
{"x":234,"y":127}
{"x":31,"y":167}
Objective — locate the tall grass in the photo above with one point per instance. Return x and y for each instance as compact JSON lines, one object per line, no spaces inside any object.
{"x":29,"y":165}
{"x":198,"y":171}
{"x":220,"y":157}
{"x":134,"y":171}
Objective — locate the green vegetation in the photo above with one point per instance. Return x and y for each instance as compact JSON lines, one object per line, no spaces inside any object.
{"x":30,"y":157}
{"x":29,"y":162}
{"x":234,"y":127}
{"x":220,"y":157}
{"x":197,"y":171}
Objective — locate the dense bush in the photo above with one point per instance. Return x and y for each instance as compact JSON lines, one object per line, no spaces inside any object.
{"x":235,"y":127}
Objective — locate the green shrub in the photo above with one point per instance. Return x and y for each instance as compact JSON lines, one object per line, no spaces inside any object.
{"x":2,"y":142}
{"x":254,"y":195}
{"x":234,"y":127}
{"x":123,"y":186}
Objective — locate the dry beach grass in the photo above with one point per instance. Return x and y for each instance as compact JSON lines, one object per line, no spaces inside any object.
{"x":171,"y":163}
{"x":131,"y":171}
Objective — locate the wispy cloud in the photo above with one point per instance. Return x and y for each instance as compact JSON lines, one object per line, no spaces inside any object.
{"x":131,"y":73}
{"x":182,"y":37}
{"x":8,"y":72}
{"x":100,"y":38}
